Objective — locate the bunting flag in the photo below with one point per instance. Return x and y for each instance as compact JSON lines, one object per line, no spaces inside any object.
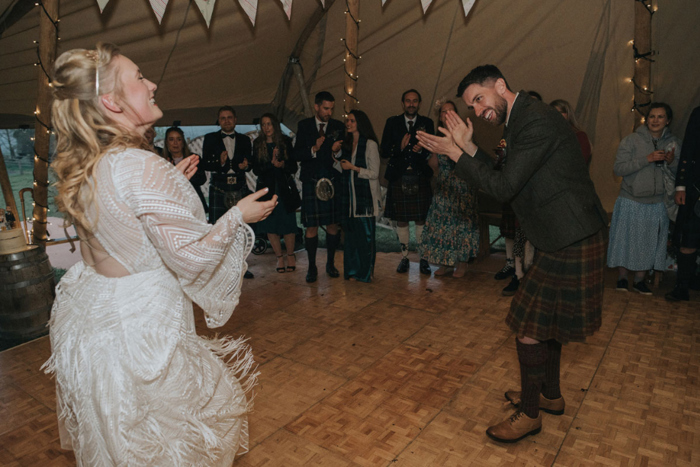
{"x":102,"y":4}
{"x":251,"y":8}
{"x":467,"y":4}
{"x":425,"y":4}
{"x":207,"y":8}
{"x":159,"y":8}
{"x":287,"y":4}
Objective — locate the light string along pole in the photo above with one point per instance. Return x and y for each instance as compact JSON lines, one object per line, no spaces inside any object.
{"x":641,"y":46}
{"x":352,"y":32}
{"x":46,"y":55}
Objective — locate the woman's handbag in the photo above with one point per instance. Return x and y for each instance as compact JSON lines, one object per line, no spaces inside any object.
{"x":293,"y":199}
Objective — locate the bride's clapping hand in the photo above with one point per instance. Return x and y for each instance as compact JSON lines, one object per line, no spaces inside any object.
{"x":254,"y":210}
{"x":188,"y":166}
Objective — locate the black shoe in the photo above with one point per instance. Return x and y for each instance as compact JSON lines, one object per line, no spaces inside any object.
{"x":678,"y":294}
{"x":248,"y":275}
{"x":332,"y":271}
{"x":622,"y":285}
{"x":505,"y":273}
{"x":511,"y":288}
{"x":312,"y":274}
{"x":425,"y":267}
{"x":403,"y":265}
{"x":641,"y":287}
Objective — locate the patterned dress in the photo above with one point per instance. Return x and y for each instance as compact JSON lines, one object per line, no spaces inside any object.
{"x":451,"y":232}
{"x":135,"y":384}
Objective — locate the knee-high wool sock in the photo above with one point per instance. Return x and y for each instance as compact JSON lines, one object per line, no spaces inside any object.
{"x":533,"y":358}
{"x":419,"y":232}
{"x":403,"y":239}
{"x":332,"y":242}
{"x":550,"y":388}
{"x":311,"y":247}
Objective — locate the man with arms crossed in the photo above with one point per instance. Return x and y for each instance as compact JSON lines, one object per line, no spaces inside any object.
{"x":547,"y":183}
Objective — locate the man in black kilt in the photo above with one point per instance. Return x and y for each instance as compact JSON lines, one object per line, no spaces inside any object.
{"x":409,"y":193}
{"x":546,"y":181}
{"x":225,"y":154}
{"x":686,"y":234}
{"x":318,"y":139}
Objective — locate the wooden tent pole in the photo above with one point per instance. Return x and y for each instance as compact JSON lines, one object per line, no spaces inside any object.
{"x":642,"y":66}
{"x":7,"y":191}
{"x":48,"y":37}
{"x":352,"y":29}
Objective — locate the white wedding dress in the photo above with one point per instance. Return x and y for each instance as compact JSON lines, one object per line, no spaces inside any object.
{"x":135,"y":384}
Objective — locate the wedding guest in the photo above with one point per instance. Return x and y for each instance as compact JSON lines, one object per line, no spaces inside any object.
{"x":639,"y":227}
{"x":175,"y":150}
{"x":451,"y":234}
{"x":408,"y":173}
{"x":567,"y":112}
{"x":361,"y":196}
{"x":318,"y":139}
{"x":275,"y":169}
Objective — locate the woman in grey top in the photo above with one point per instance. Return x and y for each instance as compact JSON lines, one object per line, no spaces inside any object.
{"x":639,"y":228}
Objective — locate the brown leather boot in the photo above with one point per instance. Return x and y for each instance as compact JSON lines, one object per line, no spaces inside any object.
{"x":551,"y":406}
{"x":515,"y":428}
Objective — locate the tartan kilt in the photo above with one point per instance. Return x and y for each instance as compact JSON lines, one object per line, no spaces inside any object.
{"x":561,"y":296}
{"x":315,"y":212}
{"x":217,"y":205}
{"x":403,"y":207}
{"x":508,"y":221}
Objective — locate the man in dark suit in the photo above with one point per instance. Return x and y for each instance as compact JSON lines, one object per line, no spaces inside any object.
{"x":225,"y":154}
{"x":409,"y":193}
{"x":686,"y":233}
{"x":546,"y":181}
{"x":318,"y":140}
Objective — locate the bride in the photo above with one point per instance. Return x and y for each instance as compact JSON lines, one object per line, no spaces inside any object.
{"x":135,"y":384}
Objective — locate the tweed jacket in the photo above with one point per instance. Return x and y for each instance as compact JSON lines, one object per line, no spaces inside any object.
{"x":545,"y":178}
{"x":313,"y":168}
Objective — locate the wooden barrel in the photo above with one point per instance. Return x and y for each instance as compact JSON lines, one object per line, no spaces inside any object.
{"x":26,"y":295}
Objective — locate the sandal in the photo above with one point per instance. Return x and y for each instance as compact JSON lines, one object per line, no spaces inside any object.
{"x":292,"y":268}
{"x":282,"y":269}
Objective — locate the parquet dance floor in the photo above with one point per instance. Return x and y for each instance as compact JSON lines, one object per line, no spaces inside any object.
{"x":410,"y":371}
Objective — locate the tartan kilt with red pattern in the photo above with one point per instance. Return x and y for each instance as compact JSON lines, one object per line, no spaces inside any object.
{"x":561,"y":296}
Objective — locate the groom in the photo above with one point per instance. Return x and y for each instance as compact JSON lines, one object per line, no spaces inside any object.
{"x":547,"y":183}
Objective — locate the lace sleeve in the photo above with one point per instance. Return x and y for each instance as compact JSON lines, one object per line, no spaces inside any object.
{"x":208,"y":260}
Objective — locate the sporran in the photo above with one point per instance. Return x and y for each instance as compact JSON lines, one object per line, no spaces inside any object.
{"x":324,"y":189}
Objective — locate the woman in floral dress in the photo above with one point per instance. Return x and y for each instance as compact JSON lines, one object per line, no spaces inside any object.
{"x":451,"y":233}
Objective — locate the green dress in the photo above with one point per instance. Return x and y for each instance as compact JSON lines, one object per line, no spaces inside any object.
{"x":451,"y":232}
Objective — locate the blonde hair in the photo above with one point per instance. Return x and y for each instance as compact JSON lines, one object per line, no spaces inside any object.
{"x":83,"y":132}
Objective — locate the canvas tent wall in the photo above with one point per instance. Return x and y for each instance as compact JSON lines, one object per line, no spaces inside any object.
{"x":567,"y":49}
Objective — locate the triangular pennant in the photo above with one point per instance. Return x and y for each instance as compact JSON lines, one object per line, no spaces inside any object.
{"x":425,"y":4}
{"x":207,"y":8}
{"x":251,"y":9}
{"x":287,"y":5}
{"x":102,"y":4}
{"x":468,"y":4}
{"x":159,"y":8}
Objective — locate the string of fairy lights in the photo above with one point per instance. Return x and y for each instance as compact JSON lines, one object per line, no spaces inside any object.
{"x":637,"y":55}
{"x":350,"y":93}
{"x":41,"y":124}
